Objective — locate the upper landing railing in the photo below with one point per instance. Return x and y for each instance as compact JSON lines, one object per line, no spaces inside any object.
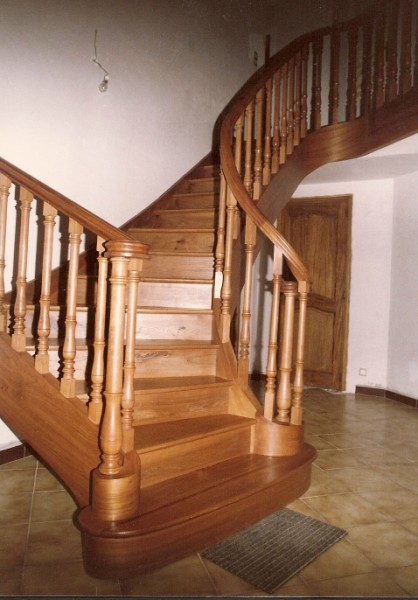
{"x":336,"y":75}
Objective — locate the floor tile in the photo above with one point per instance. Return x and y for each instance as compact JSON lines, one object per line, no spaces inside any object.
{"x":22,"y":464}
{"x":187,"y":577}
{"x":410,"y":524}
{"x":378,"y":584}
{"x":340,"y":560}
{"x":21,"y":481}
{"x":227,"y":584}
{"x":364,"y":479}
{"x":346,"y":510}
{"x":399,"y":503}
{"x":323,"y":482}
{"x":53,"y":542}
{"x":407,"y":578}
{"x":15,"y":508}
{"x":52,"y":506}
{"x":387,"y":545}
{"x":62,"y":579}
{"x":13,"y":545}
{"x":10,"y":581}
{"x":337,"y":459}
{"x":47,"y":482}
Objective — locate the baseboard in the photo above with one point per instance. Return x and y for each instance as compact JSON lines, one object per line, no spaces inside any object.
{"x":14,"y":453}
{"x":372,"y":391}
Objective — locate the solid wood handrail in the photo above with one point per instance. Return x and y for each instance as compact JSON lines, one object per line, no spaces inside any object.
{"x":62,"y":204}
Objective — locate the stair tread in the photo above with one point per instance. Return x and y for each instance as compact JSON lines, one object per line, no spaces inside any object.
{"x":174,"y":311}
{"x":175,"y":280}
{"x":177,"y":383}
{"x":179,"y":253}
{"x":161,"y":435}
{"x":204,"y":491}
{"x":184,"y":210}
{"x":193,"y":194}
{"x":172,"y":229}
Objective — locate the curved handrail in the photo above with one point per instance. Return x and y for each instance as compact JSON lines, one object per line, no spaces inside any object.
{"x":378,"y":83}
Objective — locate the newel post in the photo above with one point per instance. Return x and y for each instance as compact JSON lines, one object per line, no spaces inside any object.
{"x":116,"y":481}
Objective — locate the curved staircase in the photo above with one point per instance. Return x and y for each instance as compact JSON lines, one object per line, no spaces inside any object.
{"x":138,"y":395}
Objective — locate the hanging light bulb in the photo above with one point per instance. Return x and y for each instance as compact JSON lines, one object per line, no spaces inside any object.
{"x":104,"y":84}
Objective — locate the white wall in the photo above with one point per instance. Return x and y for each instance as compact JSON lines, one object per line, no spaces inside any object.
{"x":403,"y":333}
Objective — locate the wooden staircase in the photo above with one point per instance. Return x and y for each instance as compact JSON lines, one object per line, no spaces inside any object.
{"x":138,"y":395}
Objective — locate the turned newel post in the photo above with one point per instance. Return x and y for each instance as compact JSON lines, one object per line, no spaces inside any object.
{"x":116,"y":482}
{"x":5,"y":184}
{"x":18,"y":337}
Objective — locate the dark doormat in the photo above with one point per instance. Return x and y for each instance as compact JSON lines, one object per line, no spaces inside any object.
{"x":273,"y":550}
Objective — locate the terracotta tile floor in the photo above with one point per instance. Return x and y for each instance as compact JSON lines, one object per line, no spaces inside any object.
{"x":365,"y":480}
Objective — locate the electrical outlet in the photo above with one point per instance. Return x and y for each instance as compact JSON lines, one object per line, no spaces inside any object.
{"x":362,"y":372}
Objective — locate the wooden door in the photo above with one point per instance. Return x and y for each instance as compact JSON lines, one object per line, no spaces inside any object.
{"x":320,"y":231}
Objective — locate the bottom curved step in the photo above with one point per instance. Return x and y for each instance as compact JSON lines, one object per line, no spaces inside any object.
{"x":190,"y":513}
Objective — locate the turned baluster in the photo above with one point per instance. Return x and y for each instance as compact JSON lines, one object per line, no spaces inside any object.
{"x":296,"y":411}
{"x":379,"y":69}
{"x":244,"y":360}
{"x":304,"y":92}
{"x":316,"y":83}
{"x":298,"y":88}
{"x":283,"y":122}
{"x":392,"y":70}
{"x":335,"y":77}
{"x":271,"y":369}
{"x":352,"y":74}
{"x":239,"y":132}
{"x":5,"y":184}
{"x":249,"y":116}
{"x":258,"y":161}
{"x":406,"y":61}
{"x":128,"y":397}
{"x":367,"y":70}
{"x":289,"y":289}
{"x":267,"y":134}
{"x":18,"y":337}
{"x":276,"y":125}
{"x":44,"y":325}
{"x":220,"y":238}
{"x":290,"y":111}
{"x":98,"y":367}
{"x":226,"y":294}
{"x":67,"y":385}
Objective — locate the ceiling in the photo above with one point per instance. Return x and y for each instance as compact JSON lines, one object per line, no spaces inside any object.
{"x":389,"y":162}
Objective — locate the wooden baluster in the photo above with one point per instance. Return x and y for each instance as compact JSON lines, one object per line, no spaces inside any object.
{"x":335,"y":77}
{"x":248,"y":177}
{"x":366,"y":84}
{"x":67,"y":386}
{"x":98,"y":368}
{"x":239,"y":132}
{"x":111,"y":430}
{"x":392,"y":69}
{"x":290,"y":111}
{"x":18,"y":337}
{"x":267,"y":134}
{"x":271,"y":369}
{"x":406,"y":60}
{"x":44,"y":325}
{"x":5,"y":184}
{"x":244,"y":357}
{"x":379,"y":68}
{"x":298,"y":88}
{"x":128,"y":397}
{"x":276,"y":124}
{"x":289,"y":289}
{"x":258,"y":162}
{"x":296,"y":411}
{"x":220,"y":239}
{"x":226,"y":294}
{"x":352,"y":74}
{"x":304,"y":92}
{"x":316,"y":83}
{"x":283,"y":122}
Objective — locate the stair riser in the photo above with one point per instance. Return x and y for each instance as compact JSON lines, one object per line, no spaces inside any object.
{"x":172,"y":362}
{"x":199,"y":185}
{"x":194,"y":201}
{"x":177,"y":241}
{"x":176,"y":295}
{"x":178,"y":267}
{"x":181,"y":404}
{"x":182,"y":219}
{"x":82,"y":364}
{"x":173,"y":461}
{"x":57,"y":324}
